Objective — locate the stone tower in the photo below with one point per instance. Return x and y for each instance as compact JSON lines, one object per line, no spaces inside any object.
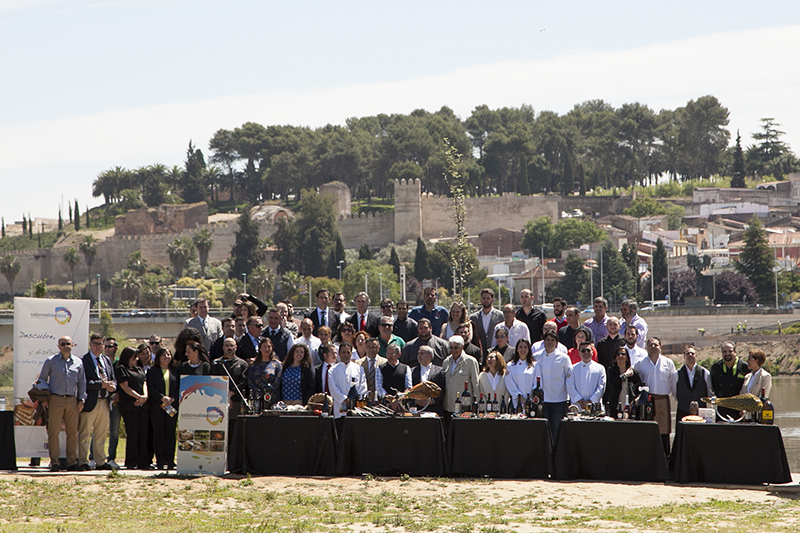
{"x":407,"y":210}
{"x":341,"y":193}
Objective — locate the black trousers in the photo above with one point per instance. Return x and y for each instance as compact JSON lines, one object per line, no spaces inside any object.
{"x":136,"y":420}
{"x":163,"y":437}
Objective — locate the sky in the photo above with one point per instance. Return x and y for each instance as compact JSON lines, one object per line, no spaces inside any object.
{"x":89,"y":85}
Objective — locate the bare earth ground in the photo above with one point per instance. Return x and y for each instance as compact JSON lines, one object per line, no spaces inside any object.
{"x":368,"y":504}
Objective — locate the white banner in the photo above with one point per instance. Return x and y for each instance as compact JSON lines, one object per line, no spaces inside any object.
{"x":38,"y":324}
{"x":203,"y":425}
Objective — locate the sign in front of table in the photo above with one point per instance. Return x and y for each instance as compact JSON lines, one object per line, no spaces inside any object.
{"x":203,"y":425}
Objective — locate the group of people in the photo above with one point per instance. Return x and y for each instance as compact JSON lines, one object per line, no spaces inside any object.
{"x":495,"y":354}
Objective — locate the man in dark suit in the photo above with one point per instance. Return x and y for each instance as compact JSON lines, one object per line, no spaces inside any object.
{"x":93,"y":420}
{"x":425,"y":338}
{"x":328,"y":354}
{"x":427,"y":371}
{"x":282,"y":340}
{"x":228,"y":331}
{"x":362,"y":319}
{"x":485,"y":319}
{"x":248,"y":344}
{"x":370,"y":364}
{"x":323,"y":315}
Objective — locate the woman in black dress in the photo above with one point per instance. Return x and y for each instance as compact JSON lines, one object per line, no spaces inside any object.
{"x":197,"y":360}
{"x":163,"y":383}
{"x":132,"y":380}
{"x":621,"y":379}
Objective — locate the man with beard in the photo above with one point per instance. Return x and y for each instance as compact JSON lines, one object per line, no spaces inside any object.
{"x":567,"y":333}
{"x":339,"y":301}
{"x":598,"y":324}
{"x":628,"y":309}
{"x":465,"y":330}
{"x":435,"y":313}
{"x":236,"y":370}
{"x":484,"y":320}
{"x":607,"y":346}
{"x":532,"y":317}
{"x":658,"y":373}
{"x":559,"y":307}
{"x":426,"y":338}
{"x":727,"y":377}
{"x":632,"y":345}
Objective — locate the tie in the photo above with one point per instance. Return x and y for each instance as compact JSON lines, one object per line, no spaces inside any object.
{"x":325,"y":379}
{"x":363,"y":325}
{"x":322,"y":318}
{"x":101,"y":373}
{"x":371,"y":375}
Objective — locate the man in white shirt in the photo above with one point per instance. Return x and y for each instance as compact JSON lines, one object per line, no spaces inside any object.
{"x":396,"y":376}
{"x":537,"y":348}
{"x":516,"y":328}
{"x":458,"y":368}
{"x":692,"y":384}
{"x":370,"y":364}
{"x":635,"y":352}
{"x":628,"y":309}
{"x":344,"y":375}
{"x":587,"y":379}
{"x":485,"y":319}
{"x":658,"y":373}
{"x":313,"y":343}
{"x":555,"y":369}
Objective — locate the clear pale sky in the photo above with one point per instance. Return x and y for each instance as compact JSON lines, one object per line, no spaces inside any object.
{"x":89,"y":85}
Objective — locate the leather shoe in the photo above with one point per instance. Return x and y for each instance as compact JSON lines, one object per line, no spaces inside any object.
{"x":105,"y":466}
{"x":74,"y":468}
{"x":55,"y":468}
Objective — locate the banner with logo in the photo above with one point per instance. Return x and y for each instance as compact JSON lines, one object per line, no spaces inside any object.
{"x":203,"y":425}
{"x":38,"y":324}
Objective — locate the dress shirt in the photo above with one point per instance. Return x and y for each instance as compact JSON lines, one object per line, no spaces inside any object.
{"x":342,"y":377}
{"x":269,"y":332}
{"x":693,"y":372}
{"x":636,"y":354}
{"x":486,"y":318}
{"x":517,"y":331}
{"x":641,"y":325}
{"x":521,"y":379}
{"x":586,"y":381}
{"x":373,"y":363}
{"x":555,"y":369}
{"x":438,"y":316}
{"x":424,"y":372}
{"x":598,"y":329}
{"x":660,"y":377}
{"x":64,"y":376}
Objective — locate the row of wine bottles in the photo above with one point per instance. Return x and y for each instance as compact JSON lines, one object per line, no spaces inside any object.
{"x":532,"y":406}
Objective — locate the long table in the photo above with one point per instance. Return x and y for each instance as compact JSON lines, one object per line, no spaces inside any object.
{"x":496,"y":448}
{"x":283,"y":445}
{"x":621,"y":450}
{"x":384,"y":446}
{"x":729,"y":453}
{"x":8,"y":447}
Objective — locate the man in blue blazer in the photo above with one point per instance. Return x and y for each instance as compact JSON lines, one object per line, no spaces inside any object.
{"x":93,"y":420}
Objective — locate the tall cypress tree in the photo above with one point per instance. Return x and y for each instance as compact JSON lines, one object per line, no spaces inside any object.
{"x":756,"y":259}
{"x":245,"y":254}
{"x":394,"y":260}
{"x":77,"y":217}
{"x":422,"y":269}
{"x":737,"y":181}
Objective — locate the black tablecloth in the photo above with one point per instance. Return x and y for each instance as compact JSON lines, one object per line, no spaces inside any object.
{"x":494,"y":448}
{"x":729,"y":453}
{"x":8,"y":447}
{"x":609,"y":450}
{"x":284,"y":445}
{"x":385,"y":446}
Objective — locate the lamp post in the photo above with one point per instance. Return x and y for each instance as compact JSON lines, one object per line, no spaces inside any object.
{"x":244,"y":275}
{"x":71,"y":289}
{"x":380,"y":277}
{"x":340,"y":266}
{"x":98,"y":297}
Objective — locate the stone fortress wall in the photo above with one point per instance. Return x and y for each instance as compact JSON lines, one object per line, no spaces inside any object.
{"x":416,"y":214}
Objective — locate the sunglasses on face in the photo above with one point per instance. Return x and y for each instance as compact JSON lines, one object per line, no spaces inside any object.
{"x":65,"y":344}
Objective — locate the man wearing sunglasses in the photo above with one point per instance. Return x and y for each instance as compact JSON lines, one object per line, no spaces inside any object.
{"x":62,"y":374}
{"x":586,"y":382}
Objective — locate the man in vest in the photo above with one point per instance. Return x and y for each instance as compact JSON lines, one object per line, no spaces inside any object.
{"x":694,"y":383}
{"x":396,"y":375}
{"x":281,"y":339}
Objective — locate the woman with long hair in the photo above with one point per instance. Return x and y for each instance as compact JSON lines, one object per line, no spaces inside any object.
{"x":522,"y":372}
{"x":622,"y":381}
{"x":133,"y":382}
{"x":296,"y":384}
{"x":163,"y":385}
{"x":492,"y":381}
{"x":266,"y":369}
{"x":458,"y":315}
{"x":196,"y":363}
{"x":360,"y":345}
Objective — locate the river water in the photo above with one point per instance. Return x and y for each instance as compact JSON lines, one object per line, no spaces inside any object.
{"x":785,"y":396}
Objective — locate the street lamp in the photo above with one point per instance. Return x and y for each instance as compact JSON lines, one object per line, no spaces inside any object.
{"x":380,"y":277}
{"x":71,"y":289}
{"x":244,"y":275}
{"x":340,"y":266}
{"x":98,"y":297}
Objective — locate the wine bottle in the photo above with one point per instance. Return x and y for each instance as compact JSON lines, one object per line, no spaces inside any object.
{"x":528,"y":406}
{"x":325,"y":406}
{"x":495,"y":405}
{"x":619,"y":410}
{"x":256,"y":399}
{"x":767,"y":410}
{"x":503,"y":409}
{"x":481,"y":407}
{"x":352,"y":395}
{"x":457,"y":408}
{"x":626,"y":410}
{"x":538,"y":398}
{"x":466,"y":399}
{"x":649,"y":409}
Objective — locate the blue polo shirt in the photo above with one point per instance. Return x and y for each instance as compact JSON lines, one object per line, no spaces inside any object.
{"x":437,"y":316}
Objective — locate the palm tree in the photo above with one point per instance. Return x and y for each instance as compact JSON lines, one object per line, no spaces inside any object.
{"x":137,"y":263}
{"x":290,"y":283}
{"x":180,"y":251}
{"x":203,"y":243}
{"x":214,"y":179}
{"x":10,"y":267}
{"x":261,"y":282}
{"x":71,"y":258}
{"x":128,"y":284}
{"x":89,"y":250}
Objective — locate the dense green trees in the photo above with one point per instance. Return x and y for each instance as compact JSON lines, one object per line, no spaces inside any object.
{"x":565,"y":234}
{"x":756,"y":260}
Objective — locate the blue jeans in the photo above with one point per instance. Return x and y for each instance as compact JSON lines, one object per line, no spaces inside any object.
{"x":113,"y":430}
{"x":554,"y":412}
